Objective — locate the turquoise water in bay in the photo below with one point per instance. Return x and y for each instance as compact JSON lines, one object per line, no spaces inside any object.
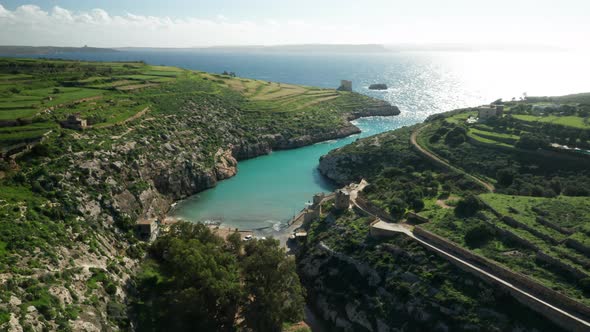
{"x":269,"y":190}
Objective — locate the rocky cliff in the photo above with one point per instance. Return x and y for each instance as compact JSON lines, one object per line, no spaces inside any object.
{"x":100,"y":182}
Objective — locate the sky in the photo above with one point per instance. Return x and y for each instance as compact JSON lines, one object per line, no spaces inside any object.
{"x":184,"y":23}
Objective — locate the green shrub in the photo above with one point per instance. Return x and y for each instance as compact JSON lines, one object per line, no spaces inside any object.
{"x":479,"y":234}
{"x":468,"y":206}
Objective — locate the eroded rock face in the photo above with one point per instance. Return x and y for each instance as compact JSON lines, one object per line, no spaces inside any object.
{"x":136,"y":171}
{"x":382,"y":109}
{"x":225,"y":165}
{"x":333,"y":166}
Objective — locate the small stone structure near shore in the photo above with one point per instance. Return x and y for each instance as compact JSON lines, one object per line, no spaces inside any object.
{"x":342,"y":201}
{"x":147,"y":229}
{"x":345,"y":85}
{"x":317,"y":200}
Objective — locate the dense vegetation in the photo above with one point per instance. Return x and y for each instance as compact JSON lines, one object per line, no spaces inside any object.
{"x":515,"y":155}
{"x":70,"y":198}
{"x":360,"y":283}
{"x":535,"y":221}
{"x":196,"y":281}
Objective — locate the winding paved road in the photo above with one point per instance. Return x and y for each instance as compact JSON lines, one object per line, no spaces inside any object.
{"x":432,"y":156}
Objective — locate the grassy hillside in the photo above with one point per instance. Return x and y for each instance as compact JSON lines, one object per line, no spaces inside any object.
{"x":70,"y":198}
{"x":37,"y":94}
{"x":360,"y":283}
{"x":536,"y":221}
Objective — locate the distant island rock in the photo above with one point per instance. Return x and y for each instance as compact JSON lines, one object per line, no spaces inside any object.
{"x":378,"y":86}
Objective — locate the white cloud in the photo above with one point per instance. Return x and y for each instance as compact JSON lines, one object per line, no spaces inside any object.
{"x":62,"y":14}
{"x":31,"y":25}
{"x":4,"y":13}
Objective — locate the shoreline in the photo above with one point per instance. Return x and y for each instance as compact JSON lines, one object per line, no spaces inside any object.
{"x":284,"y":232}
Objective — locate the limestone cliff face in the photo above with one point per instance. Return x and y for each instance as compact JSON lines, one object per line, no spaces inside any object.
{"x":146,"y":173}
{"x":114,"y":177}
{"x":380,"y":108}
{"x":333,"y":167}
{"x":357,"y":283}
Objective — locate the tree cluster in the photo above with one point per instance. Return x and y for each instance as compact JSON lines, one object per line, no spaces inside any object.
{"x":196,"y":281}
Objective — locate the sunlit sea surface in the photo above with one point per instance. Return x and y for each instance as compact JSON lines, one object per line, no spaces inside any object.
{"x":269,"y":190}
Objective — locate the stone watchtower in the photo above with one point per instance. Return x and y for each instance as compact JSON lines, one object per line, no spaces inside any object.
{"x":345,"y":85}
{"x":317,"y":199}
{"x":342,"y":201}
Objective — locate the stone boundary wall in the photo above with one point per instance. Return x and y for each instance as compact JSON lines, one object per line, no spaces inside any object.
{"x":575,"y":272}
{"x":539,"y":153}
{"x":372,"y":209}
{"x":299,"y":215}
{"x":303,"y":212}
{"x":513,"y":237}
{"x":582,"y":262}
{"x":518,"y":280}
{"x":562,"y":230}
{"x":18,"y":150}
{"x":517,"y":224}
{"x":577,"y":245}
{"x":378,"y":232}
{"x":540,"y":255}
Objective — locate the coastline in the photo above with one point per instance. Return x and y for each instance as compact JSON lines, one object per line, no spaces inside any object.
{"x":283,"y":233}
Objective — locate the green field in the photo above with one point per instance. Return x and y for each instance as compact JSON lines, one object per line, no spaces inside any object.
{"x":568,"y":121}
{"x":109,"y":93}
{"x":515,"y":256}
{"x":47,"y":91}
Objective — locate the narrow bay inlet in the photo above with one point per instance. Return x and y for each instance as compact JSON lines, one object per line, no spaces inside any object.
{"x":268,"y":190}
{"x":309,"y":166}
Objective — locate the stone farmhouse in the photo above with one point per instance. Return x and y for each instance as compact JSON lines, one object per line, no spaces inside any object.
{"x":490,"y":111}
{"x":75,"y":121}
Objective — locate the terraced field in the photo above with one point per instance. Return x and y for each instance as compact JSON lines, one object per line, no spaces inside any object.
{"x":537,"y":222}
{"x":277,"y":97}
{"x":107,"y":94}
{"x":541,"y":249}
{"x":32,"y":104}
{"x":568,"y":121}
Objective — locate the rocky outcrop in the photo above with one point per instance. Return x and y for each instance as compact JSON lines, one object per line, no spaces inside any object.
{"x":378,"y":86}
{"x":225,"y":164}
{"x":380,"y":108}
{"x":330,"y":167}
{"x":300,"y":141}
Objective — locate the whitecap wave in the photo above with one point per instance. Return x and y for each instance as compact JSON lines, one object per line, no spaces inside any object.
{"x":276,"y":225}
